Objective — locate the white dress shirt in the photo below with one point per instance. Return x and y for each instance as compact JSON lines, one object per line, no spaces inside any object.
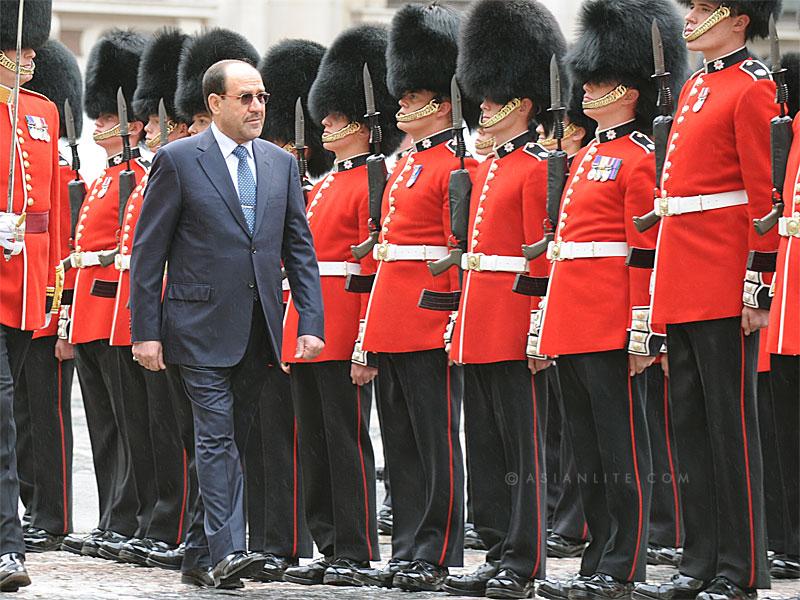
{"x":227,"y":146}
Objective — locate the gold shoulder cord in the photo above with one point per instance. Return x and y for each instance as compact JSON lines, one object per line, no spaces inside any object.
{"x":723,"y":12}
{"x":501,"y":114}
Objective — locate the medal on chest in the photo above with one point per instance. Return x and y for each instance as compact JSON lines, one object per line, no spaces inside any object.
{"x":104,"y":186}
{"x":604,"y":168}
{"x":37,"y":128}
{"x":414,"y":175}
{"x":701,"y":99}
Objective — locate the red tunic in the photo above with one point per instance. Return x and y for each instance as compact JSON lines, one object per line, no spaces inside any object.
{"x":590,"y":300}
{"x":338,"y":214}
{"x":419,"y":215}
{"x":719,"y":142}
{"x":97,"y":230}
{"x":29,"y":276}
{"x":784,"y":318}
{"x":507,"y":211}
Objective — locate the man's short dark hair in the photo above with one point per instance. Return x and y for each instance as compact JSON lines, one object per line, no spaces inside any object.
{"x":214,"y":79}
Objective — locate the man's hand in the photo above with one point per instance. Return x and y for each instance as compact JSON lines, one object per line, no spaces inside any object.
{"x":637,"y":364}
{"x":150,"y":355}
{"x":309,"y":347}
{"x":754,"y":319}
{"x":665,"y":365}
{"x":286,"y":368}
{"x":362,"y":375}
{"x":64,"y":350}
{"x":537,"y":365}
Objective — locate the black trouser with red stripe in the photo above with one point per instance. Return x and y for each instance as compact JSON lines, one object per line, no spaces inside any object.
{"x":713,"y":379}
{"x":276,"y":523}
{"x":157,"y":454}
{"x":44,"y":436}
{"x":336,"y":457}
{"x":665,"y":508}
{"x":97,"y":365}
{"x":604,"y":407}
{"x":505,"y":412}
{"x":775,"y":506}
{"x":420,"y":428}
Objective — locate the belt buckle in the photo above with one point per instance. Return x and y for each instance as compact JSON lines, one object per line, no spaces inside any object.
{"x":77,"y":260}
{"x":663,"y":207}
{"x":793,"y":226}
{"x":555,"y":251}
{"x":382,"y":253}
{"x":118,"y":262}
{"x":474,"y":262}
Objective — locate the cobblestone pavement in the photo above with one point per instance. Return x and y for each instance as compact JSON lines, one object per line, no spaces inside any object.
{"x":59,"y":575}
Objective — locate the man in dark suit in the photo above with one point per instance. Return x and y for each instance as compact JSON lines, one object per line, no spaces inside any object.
{"x":222,"y":209}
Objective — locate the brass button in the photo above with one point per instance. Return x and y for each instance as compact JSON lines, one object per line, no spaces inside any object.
{"x":28,"y":187}
{"x":27,"y":176}
{"x":25,"y":155}
{"x":21,"y":139}
{"x":30,"y":201}
{"x":26,"y":163}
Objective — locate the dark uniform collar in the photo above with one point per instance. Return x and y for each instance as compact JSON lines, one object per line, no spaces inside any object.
{"x":116,"y":160}
{"x":616,"y":132}
{"x":723,"y":62}
{"x":518,"y":142}
{"x":434,"y":140}
{"x":351,"y":163}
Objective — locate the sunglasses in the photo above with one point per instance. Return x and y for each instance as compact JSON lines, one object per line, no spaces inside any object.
{"x":246,"y":99}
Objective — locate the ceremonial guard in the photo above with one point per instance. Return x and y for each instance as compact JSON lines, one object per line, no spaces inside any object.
{"x":29,"y":236}
{"x":112,"y":64}
{"x":331,"y":399}
{"x":710,"y":287}
{"x":595,"y":317}
{"x":44,"y":388}
{"x":505,"y":406}
{"x":420,"y":416}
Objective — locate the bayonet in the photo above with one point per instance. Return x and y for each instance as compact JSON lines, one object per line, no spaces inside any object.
{"x":76,"y":188}
{"x":300,"y":141}
{"x":163,"y":124}
{"x":127,"y":178}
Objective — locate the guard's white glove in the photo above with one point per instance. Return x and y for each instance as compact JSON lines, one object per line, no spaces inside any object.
{"x":12,"y":234}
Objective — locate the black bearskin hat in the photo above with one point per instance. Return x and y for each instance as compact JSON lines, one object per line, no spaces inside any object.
{"x":36,"y":20}
{"x":758,"y":11}
{"x":614,"y":44}
{"x":158,"y":73}
{"x":288,"y":69}
{"x":58,"y":77}
{"x":505,"y":52}
{"x":199,"y":53}
{"x":113,"y":62}
{"x":339,"y":86}
{"x":791,"y":62}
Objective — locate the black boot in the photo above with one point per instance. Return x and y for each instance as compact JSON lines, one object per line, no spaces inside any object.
{"x":471,"y":584}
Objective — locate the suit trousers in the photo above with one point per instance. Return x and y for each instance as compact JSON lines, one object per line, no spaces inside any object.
{"x":503,"y":410}
{"x":713,"y":379}
{"x":604,"y":407}
{"x":13,"y":347}
{"x":44,"y":437}
{"x":420,"y":428}
{"x":223,"y":401}
{"x":97,"y":364}
{"x":775,"y":506}
{"x":665,"y":508}
{"x":275,"y":516}
{"x":336,"y":457}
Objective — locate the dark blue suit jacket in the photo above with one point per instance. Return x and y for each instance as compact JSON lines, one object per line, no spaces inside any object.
{"x":192,"y":221}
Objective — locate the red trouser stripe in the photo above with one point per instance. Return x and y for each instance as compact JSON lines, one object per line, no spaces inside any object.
{"x":638,"y":481}
{"x":363,"y":472}
{"x":751,"y":581}
{"x":64,"y":490}
{"x":536,"y":483}
{"x":294,"y":489}
{"x":179,"y":537}
{"x":450,"y":464}
{"x":675,"y":497}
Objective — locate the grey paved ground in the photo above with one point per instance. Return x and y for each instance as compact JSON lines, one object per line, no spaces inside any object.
{"x":58,"y":575}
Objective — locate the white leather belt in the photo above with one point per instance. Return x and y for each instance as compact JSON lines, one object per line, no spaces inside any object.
{"x":81,"y":260}
{"x":338,"y":269}
{"x":789,"y":226}
{"x":492,"y":262}
{"x":390,"y":252}
{"x":573,"y":250}
{"x":285,"y":285}
{"x":680,"y":205}
{"x":122,"y":262}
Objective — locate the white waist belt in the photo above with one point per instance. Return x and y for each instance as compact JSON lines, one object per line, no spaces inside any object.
{"x":338,"y":269}
{"x":680,"y":205}
{"x":122,"y":262}
{"x":573,"y":250}
{"x":81,"y":260}
{"x":789,"y":226}
{"x":285,"y":285}
{"x":492,"y":262}
{"x":390,"y":252}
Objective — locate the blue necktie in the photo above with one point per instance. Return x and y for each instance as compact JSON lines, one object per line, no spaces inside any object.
{"x":247,"y":187}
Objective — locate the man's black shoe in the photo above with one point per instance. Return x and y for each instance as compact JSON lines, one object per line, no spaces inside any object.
{"x":471,"y":584}
{"x":12,"y":572}
{"x":559,"y":546}
{"x":165,"y":556}
{"x":349,"y":572}
{"x":274,"y":568}
{"x":601,"y":587}
{"x":201,"y":577}
{"x":472,"y":539}
{"x":421,"y":576}
{"x":680,"y":587}
{"x":111,"y":545}
{"x":232,"y":568}
{"x":91,"y":544}
{"x":722,"y":588}
{"x":670,"y":556}
{"x":508,"y":584}
{"x":39,"y":540}
{"x":311,"y":574}
{"x":385,"y":520}
{"x":135,"y":551}
{"x":392,"y":568}
{"x":785,"y":567}
{"x":554,"y":589}
{"x":74,"y":543}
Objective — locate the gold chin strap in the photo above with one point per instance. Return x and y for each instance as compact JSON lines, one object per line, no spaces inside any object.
{"x":104,"y":135}
{"x":551,"y":142}
{"x":485,"y":144}
{"x":156,"y":141}
{"x":9,"y":64}
{"x":501,"y":114}
{"x":348,"y":129}
{"x":722,"y":12}
{"x":611,"y":97}
{"x":427,"y":110}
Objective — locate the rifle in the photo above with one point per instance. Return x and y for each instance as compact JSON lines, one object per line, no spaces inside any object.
{"x":661,"y":124}
{"x":556,"y":178}
{"x":76,"y":187}
{"x":780,"y":135}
